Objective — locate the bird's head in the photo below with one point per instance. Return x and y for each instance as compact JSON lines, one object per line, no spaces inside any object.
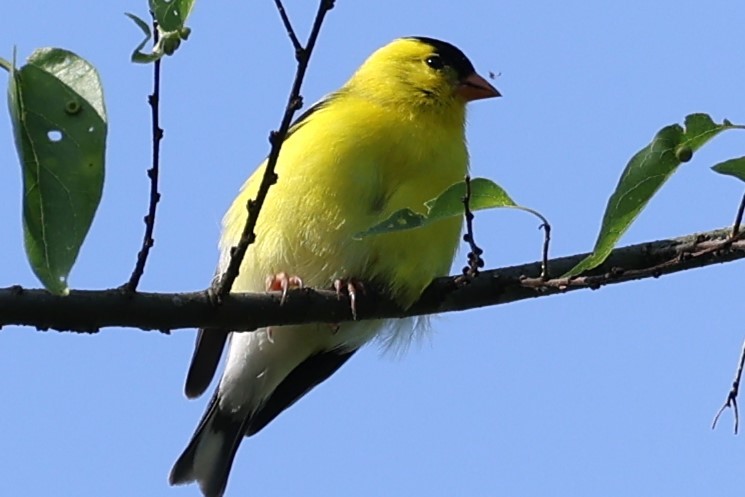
{"x":421,"y":71}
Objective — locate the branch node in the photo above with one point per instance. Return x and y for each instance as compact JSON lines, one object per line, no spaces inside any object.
{"x":301,"y":55}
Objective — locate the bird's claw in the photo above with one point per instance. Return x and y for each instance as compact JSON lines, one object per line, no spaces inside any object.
{"x":351,"y":287}
{"x":283,"y":282}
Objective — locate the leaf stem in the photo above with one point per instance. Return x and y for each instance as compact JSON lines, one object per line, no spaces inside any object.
{"x":546,"y":242}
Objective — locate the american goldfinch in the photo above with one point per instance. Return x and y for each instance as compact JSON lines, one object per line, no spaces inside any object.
{"x":392,"y":137}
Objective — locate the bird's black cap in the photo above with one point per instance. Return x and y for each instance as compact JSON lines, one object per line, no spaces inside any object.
{"x":450,"y":54}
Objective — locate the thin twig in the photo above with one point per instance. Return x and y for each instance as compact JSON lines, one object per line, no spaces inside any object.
{"x":475,"y":262}
{"x":157,"y":135}
{"x":738,"y":218}
{"x":276,"y":138}
{"x":732,"y":395}
{"x":546,"y":242}
{"x":288,"y":26}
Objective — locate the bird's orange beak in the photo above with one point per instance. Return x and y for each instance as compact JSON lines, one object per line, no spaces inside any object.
{"x":474,"y":87}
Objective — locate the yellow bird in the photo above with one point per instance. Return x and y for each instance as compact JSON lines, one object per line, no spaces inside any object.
{"x":392,"y":137}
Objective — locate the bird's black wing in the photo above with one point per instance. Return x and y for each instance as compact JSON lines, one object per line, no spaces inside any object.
{"x":300,"y":381}
{"x":207,"y":351}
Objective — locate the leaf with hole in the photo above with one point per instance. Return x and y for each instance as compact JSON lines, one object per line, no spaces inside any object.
{"x":59,"y":124}
{"x":644,"y":175}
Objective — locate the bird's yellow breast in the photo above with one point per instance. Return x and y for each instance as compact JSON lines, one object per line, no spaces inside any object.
{"x":348,"y":167}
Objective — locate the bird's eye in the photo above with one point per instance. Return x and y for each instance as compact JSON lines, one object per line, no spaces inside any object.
{"x":435,"y":62}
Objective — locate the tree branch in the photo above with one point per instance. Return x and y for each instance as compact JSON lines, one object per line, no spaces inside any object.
{"x":89,"y":311}
{"x":295,"y":101}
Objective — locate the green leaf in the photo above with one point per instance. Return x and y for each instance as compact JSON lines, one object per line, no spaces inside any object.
{"x":645,"y":173}
{"x":732,"y":167}
{"x":168,"y":41}
{"x":138,"y":55}
{"x":59,"y":123}
{"x":171,"y":14}
{"x":485,"y":194}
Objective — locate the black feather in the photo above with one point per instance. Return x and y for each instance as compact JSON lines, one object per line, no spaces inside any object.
{"x":300,"y":381}
{"x":450,"y":54}
{"x":207,"y":352}
{"x":230,"y":429}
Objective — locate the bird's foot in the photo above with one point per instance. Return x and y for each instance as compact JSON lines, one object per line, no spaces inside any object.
{"x":283,"y":282}
{"x":352,"y":287}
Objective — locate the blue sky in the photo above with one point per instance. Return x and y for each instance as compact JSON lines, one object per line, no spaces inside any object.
{"x":608,"y":393}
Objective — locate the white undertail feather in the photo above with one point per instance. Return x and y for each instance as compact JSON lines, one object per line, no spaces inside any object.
{"x":210,"y":446}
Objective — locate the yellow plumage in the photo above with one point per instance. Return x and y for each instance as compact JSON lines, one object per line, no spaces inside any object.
{"x":348,"y":167}
{"x":392,"y":137}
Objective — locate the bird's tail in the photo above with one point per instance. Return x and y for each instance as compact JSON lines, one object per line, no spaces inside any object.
{"x":210,"y":453}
